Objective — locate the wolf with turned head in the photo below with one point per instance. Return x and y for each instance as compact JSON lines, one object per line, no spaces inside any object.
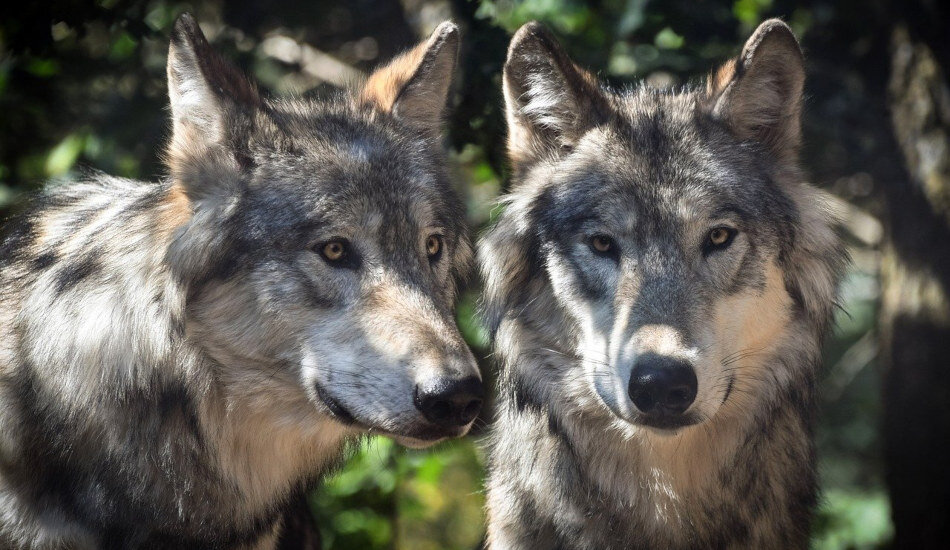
{"x":180,"y":360}
{"x":657,"y":287}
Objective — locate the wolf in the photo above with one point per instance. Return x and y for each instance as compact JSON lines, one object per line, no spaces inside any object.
{"x":657,"y":289}
{"x":180,"y":360}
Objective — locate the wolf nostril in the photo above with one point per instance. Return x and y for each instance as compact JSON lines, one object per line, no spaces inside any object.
{"x":676,"y":397}
{"x":471,"y":410}
{"x":662,"y":385}
{"x":643,"y":399}
{"x":441,"y":409}
{"x":679,"y":399}
{"x":450,"y":402}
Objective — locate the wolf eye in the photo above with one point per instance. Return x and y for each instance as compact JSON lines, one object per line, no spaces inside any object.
{"x":719,"y":238}
{"x":603,"y":245}
{"x":334,"y":251}
{"x":434,"y":247}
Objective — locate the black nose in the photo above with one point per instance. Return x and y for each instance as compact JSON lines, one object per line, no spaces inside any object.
{"x":450,"y":402}
{"x":662,"y":385}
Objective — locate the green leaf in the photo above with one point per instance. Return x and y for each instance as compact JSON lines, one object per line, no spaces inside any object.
{"x":7,"y":195}
{"x":123,"y":47}
{"x":62,"y":157}
{"x":43,"y":68}
{"x":667,"y":39}
{"x":749,"y":12}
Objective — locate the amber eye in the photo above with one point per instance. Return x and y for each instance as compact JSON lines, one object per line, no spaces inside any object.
{"x":334,"y":251}
{"x":434,"y":246}
{"x":602,"y":243}
{"x":719,"y":238}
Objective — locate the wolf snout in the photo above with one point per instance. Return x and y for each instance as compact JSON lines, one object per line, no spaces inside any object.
{"x":450,"y":402}
{"x":662,"y":385}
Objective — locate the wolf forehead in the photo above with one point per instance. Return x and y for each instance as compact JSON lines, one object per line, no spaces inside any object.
{"x":313,"y":164}
{"x":661,"y":160}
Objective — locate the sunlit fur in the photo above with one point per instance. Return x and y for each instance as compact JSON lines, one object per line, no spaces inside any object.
{"x":572,"y":462}
{"x":178,"y":361}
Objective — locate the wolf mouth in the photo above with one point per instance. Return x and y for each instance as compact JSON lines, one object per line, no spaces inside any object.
{"x":668,"y":424}
{"x":337,"y":410}
{"x":341,"y":414}
{"x":660,"y":424}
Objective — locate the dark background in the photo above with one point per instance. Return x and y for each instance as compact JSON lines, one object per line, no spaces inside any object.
{"x":82,"y":84}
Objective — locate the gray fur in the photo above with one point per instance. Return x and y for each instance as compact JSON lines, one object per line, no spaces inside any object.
{"x":178,"y":361}
{"x":573,"y":463}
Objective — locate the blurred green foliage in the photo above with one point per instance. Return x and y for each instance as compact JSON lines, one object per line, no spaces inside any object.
{"x":82,"y":86}
{"x":388,"y":496}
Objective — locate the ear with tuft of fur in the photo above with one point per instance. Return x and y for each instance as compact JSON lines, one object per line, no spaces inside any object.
{"x":759,"y":93}
{"x":414,"y":87}
{"x":207,"y":95}
{"x":550,"y":102}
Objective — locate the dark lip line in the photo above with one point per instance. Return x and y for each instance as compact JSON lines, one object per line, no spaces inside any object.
{"x":336,"y":409}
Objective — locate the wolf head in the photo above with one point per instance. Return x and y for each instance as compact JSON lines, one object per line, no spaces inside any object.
{"x":323,"y":242}
{"x":671,"y":229}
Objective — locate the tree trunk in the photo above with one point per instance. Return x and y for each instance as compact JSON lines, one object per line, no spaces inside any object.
{"x":915,"y":313}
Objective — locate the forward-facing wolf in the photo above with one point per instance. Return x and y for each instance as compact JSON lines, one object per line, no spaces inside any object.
{"x":179,"y":359}
{"x":657,"y":288}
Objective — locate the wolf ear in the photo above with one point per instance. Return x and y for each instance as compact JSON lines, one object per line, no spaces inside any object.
{"x":550,"y":102}
{"x":759,"y":93}
{"x":507,"y":258}
{"x":415,"y":86}
{"x":206,"y":94}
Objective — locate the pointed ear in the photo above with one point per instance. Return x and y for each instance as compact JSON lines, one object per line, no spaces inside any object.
{"x":415,"y":86}
{"x":207,"y":95}
{"x":759,"y":94}
{"x":550,"y":102}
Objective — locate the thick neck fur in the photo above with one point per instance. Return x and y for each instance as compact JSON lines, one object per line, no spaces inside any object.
{"x":204,"y":444}
{"x":744,"y":478}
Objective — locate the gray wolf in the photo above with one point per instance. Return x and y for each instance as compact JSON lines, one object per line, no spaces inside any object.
{"x":180,"y":359}
{"x":657,"y":288}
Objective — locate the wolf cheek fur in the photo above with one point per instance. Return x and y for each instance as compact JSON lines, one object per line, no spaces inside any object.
{"x":178,"y":360}
{"x":657,"y":289}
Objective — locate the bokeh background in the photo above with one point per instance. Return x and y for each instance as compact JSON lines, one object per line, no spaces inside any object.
{"x":82,"y":84}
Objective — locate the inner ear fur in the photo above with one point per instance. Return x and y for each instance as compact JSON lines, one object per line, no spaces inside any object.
{"x":415,"y":86}
{"x":550,"y":101}
{"x":211,"y":100}
{"x":759,"y":93}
